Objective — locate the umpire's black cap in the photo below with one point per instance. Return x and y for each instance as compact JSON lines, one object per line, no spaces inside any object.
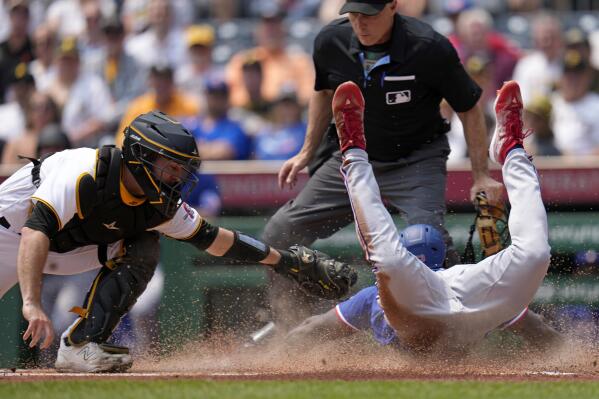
{"x":368,"y":7}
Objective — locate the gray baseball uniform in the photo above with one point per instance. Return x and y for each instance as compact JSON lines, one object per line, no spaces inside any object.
{"x":468,"y":301}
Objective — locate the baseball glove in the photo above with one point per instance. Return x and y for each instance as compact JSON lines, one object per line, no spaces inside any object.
{"x":316,"y":273}
{"x":492,"y":226}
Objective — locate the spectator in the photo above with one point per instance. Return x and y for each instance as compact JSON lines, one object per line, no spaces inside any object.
{"x":161,"y":42}
{"x":301,"y":9}
{"x":576,"y":39}
{"x":190,"y":77}
{"x":135,"y":14}
{"x":538,"y":72}
{"x":219,"y":137}
{"x":205,"y":197}
{"x":13,"y":114}
{"x":479,"y":67}
{"x":4,"y":23}
{"x":253,"y":78}
{"x":66,"y":18}
{"x":454,"y":8}
{"x":413,"y":8}
{"x":43,"y":112}
{"x":163,"y":96}
{"x":18,"y":47}
{"x":255,"y":9}
{"x":537,"y":117}
{"x":329,"y":10}
{"x":279,"y":65}
{"x":83,"y":98}
{"x":475,"y":36}
{"x":52,"y":139}
{"x":224,"y":10}
{"x":524,"y":5}
{"x":90,"y":40}
{"x":42,"y":67}
{"x":119,"y":70}
{"x":37,"y":13}
{"x":285,"y":137}
{"x":575,"y":116}
{"x":253,"y":115}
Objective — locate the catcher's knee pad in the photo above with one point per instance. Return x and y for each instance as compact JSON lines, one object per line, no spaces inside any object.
{"x":116,"y":289}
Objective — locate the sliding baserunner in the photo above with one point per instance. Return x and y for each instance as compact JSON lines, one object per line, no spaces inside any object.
{"x":414,"y":304}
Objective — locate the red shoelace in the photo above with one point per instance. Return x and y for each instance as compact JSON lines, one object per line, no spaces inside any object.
{"x":513,"y":124}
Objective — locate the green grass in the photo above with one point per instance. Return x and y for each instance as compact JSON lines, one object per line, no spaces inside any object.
{"x":183,"y":389}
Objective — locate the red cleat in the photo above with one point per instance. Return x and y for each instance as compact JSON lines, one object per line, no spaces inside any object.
{"x":348,"y":111}
{"x":509,"y":128}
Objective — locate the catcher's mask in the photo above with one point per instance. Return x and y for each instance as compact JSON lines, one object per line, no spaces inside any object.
{"x":163,"y":157}
{"x":426,"y":243}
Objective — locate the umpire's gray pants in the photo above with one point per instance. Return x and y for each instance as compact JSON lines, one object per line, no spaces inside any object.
{"x":414,"y":185}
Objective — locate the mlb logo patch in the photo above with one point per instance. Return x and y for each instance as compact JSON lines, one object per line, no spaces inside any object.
{"x":399,"y":97}
{"x":189,"y":213}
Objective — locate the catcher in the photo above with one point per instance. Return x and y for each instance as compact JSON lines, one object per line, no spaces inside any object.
{"x":84,"y":209}
{"x":446,"y":310}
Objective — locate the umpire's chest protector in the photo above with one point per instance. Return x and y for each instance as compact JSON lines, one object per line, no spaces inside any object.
{"x":106,"y":218}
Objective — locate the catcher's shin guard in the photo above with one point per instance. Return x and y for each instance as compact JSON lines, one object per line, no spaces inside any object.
{"x":115,"y":290}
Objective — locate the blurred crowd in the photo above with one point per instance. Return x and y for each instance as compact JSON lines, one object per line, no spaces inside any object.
{"x":239,"y":73}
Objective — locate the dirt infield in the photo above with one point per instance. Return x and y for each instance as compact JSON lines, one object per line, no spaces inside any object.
{"x":355,"y":359}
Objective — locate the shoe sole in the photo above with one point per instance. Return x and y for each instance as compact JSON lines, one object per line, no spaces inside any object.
{"x":114,"y":369}
{"x":347,"y":90}
{"x":507,"y":86}
{"x":117,"y":368}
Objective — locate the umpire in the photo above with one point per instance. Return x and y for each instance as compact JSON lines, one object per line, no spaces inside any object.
{"x":405,"y":69}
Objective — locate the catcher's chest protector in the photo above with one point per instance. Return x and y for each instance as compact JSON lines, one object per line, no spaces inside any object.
{"x":107,"y":218}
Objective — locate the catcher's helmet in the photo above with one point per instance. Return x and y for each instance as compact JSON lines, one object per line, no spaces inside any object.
{"x":426,"y":243}
{"x":155,"y":135}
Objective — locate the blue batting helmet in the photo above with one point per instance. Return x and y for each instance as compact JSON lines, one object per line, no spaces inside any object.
{"x":426,"y":243}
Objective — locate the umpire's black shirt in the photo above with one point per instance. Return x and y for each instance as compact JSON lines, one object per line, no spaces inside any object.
{"x":403,"y":89}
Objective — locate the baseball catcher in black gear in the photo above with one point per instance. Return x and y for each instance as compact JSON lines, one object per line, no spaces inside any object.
{"x":105,"y":208}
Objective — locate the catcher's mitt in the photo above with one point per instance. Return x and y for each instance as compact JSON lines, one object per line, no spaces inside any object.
{"x":317,"y":273}
{"x":492,"y":226}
